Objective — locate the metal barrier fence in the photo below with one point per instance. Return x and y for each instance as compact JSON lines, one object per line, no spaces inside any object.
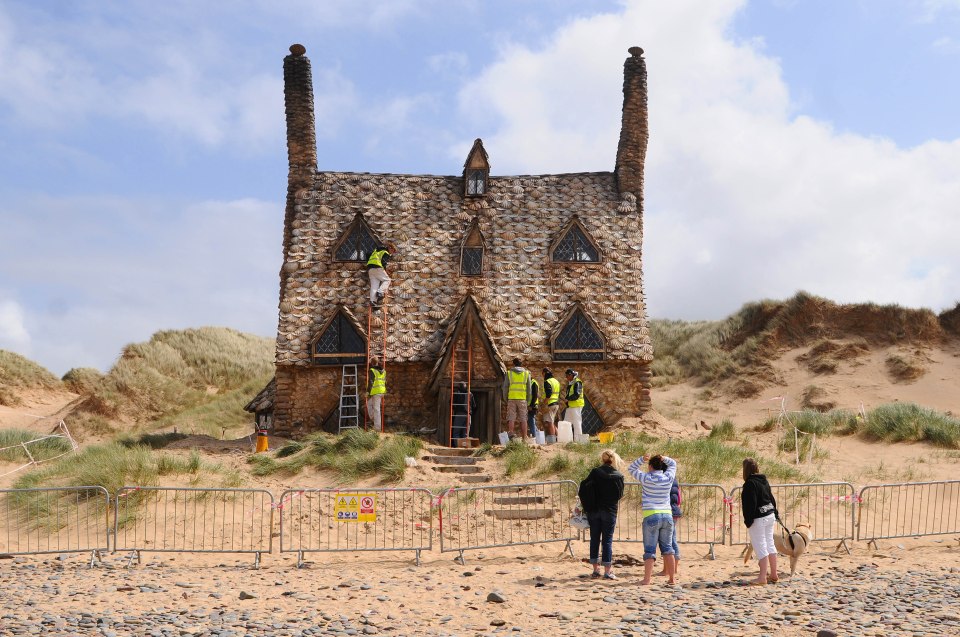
{"x":827,"y":507}
{"x":314,"y":520}
{"x":704,"y":519}
{"x":506,"y":515}
{"x":188,"y":520}
{"x":908,"y":509}
{"x":54,"y":520}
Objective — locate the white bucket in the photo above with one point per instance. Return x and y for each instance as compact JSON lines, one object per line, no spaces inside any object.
{"x":564,"y":431}
{"x":504,"y":438}
{"x":541,"y":438}
{"x":582,"y":438}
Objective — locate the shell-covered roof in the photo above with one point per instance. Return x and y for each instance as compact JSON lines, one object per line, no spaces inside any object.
{"x":522,"y":294}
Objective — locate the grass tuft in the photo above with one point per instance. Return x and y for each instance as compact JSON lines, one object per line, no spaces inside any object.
{"x":41,"y":450}
{"x":725,"y":430}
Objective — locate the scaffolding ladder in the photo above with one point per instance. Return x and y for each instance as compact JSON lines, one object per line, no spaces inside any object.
{"x":349,"y":400}
{"x":460,"y":373}
{"x":376,"y":349}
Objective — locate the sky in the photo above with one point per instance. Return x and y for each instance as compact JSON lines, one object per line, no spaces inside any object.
{"x":795,"y":145}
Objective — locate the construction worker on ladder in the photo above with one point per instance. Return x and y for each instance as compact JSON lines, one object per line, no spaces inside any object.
{"x":378,"y":387}
{"x":376,"y":270}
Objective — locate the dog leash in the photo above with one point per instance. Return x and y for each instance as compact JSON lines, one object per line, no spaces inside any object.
{"x":789,"y":532}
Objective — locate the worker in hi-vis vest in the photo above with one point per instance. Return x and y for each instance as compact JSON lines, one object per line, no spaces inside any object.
{"x":575,"y":402}
{"x":376,"y":270}
{"x":551,"y":396}
{"x":378,"y":387}
{"x":516,"y":386}
{"x":533,"y":406}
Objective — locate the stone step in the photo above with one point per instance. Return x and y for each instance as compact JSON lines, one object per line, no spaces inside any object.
{"x":521,"y":514}
{"x":480,"y":477}
{"x":452,"y":460}
{"x":447,"y":451}
{"x":521,"y":499}
{"x":458,"y":469}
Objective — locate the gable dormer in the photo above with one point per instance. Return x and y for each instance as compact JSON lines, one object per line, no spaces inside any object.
{"x":476,"y":171}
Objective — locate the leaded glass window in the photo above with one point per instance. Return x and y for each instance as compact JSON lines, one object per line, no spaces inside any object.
{"x":578,"y":340}
{"x":471,"y":262}
{"x":357,"y":244}
{"x":476,"y":182}
{"x":574,"y":246}
{"x":339,"y":344}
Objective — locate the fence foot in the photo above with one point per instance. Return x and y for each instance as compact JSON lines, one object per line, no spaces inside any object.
{"x":872,"y":543}
{"x":713,"y":555}
{"x":256,"y":560}
{"x":134,"y":555}
{"x":299,"y":559}
{"x":569,"y":549}
{"x":459,"y":559}
{"x":843,"y":543}
{"x":417,"y":558}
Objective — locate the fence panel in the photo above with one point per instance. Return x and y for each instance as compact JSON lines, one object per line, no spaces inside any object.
{"x":704,"y":517}
{"x":491,"y":516}
{"x":319,"y":520}
{"x":193,"y":520}
{"x":908,"y":510}
{"x":54,"y":520}
{"x":827,"y":507}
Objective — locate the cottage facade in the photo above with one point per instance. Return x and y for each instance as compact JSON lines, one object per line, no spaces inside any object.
{"x":487,"y":267}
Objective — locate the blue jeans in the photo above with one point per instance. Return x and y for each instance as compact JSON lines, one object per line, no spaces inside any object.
{"x":602,"y":524}
{"x":532,"y":423}
{"x":657,"y":529}
{"x":676,"y":547}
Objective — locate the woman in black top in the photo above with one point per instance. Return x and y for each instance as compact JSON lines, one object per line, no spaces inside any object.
{"x":760,"y":514}
{"x":605,"y":486}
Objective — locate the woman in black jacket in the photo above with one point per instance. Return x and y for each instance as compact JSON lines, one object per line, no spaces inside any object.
{"x":606,"y":486}
{"x":760,"y":515}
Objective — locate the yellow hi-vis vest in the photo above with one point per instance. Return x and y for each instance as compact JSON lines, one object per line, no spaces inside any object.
{"x":554,"y":391}
{"x":579,"y":402}
{"x":536,"y":386}
{"x":379,"y":385}
{"x":375,"y":257}
{"x":518,"y":385}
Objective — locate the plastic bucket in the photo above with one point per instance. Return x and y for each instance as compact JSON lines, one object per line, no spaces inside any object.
{"x":504,"y":438}
{"x":541,"y":438}
{"x":564,"y":431}
{"x":605,"y":437}
{"x":582,"y":438}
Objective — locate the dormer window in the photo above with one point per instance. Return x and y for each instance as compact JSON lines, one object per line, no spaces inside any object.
{"x":340,"y":342}
{"x":356,"y":243}
{"x":574,"y":245}
{"x":476,"y":183}
{"x":471,"y":252}
{"x":476,"y":171}
{"x":578,"y":338}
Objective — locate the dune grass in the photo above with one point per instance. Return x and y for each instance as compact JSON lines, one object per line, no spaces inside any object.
{"x":353,"y":455}
{"x":724,"y":430}
{"x":40,"y":450}
{"x":518,"y":457}
{"x":18,"y":372}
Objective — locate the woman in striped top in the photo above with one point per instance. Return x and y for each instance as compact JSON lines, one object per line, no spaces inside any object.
{"x":656,"y":482}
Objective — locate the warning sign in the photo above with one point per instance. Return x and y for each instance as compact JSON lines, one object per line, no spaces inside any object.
{"x":356,"y":507}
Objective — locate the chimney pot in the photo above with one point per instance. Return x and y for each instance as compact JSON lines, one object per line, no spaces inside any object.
{"x":298,"y":49}
{"x":635,"y":51}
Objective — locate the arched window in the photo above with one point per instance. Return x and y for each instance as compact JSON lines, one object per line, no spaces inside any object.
{"x":356,"y":243}
{"x":574,"y":245}
{"x":471,"y":252}
{"x":578,"y":338}
{"x":340,"y":342}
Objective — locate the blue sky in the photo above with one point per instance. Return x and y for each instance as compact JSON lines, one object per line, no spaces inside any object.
{"x":794,"y":145}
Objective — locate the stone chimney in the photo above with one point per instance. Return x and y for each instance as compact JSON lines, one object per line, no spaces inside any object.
{"x":632,"y":149}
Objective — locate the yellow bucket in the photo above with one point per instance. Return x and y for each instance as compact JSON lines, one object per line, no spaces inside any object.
{"x":605,"y":437}
{"x":263,"y":443}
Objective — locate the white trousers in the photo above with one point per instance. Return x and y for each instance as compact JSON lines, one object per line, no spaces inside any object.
{"x":574,"y":416}
{"x":379,"y":282}
{"x":761,"y":536}
{"x":373,"y":411}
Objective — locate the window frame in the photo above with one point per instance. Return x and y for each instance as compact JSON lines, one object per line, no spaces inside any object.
{"x":358,"y":223}
{"x":340,"y":357}
{"x":578,"y":311}
{"x":575,"y":223}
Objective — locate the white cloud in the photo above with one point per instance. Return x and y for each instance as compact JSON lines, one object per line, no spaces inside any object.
{"x":113,"y":270}
{"x":745,"y":199}
{"x":13,"y":330}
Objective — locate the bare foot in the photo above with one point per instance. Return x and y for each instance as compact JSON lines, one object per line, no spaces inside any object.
{"x":757,"y":582}
{"x":660,"y":574}
{"x":644,"y":582}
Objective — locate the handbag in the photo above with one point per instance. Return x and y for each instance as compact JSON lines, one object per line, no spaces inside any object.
{"x":578,"y":517}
